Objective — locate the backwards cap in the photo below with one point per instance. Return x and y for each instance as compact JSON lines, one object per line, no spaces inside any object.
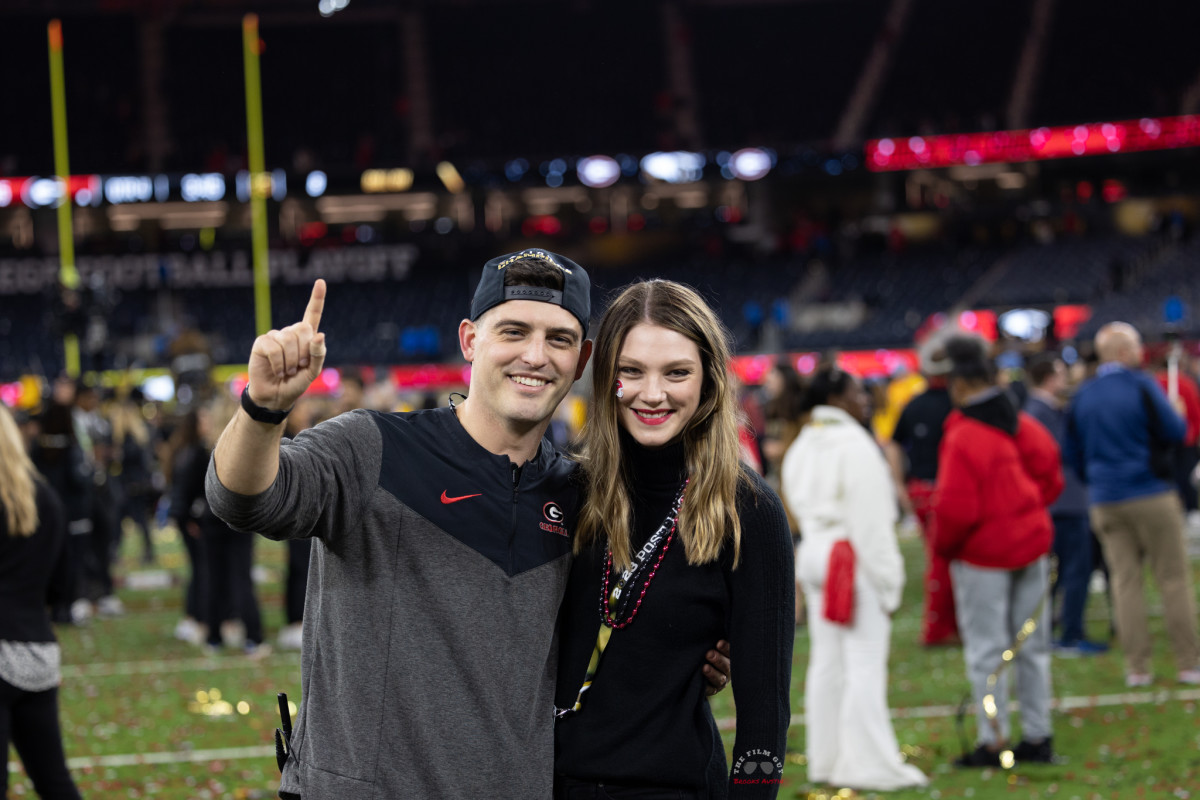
{"x":576,"y":294}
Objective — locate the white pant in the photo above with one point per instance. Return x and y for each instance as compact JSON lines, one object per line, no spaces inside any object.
{"x":849,"y":735}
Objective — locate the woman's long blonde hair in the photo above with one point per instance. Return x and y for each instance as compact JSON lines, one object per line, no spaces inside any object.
{"x":18,"y":494}
{"x":709,"y":515}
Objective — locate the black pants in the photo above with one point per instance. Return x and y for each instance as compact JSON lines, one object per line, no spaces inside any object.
{"x":1185,"y":462}
{"x":230,"y":560}
{"x":299,"y":551}
{"x":571,"y":789}
{"x":30,"y":721}
{"x":195,"y":595}
{"x":137,"y":505}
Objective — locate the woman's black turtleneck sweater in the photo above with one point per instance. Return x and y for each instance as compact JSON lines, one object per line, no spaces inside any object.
{"x":645,"y":721}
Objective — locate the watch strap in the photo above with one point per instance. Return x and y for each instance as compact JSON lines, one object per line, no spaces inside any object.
{"x":260,"y":414}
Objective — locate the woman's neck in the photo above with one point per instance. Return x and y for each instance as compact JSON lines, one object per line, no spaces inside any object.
{"x":654,"y":468}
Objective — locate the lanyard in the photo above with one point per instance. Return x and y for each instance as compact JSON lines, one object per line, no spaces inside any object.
{"x":611,"y":599}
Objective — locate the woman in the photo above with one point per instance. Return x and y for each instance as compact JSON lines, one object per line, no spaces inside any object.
{"x":134,"y":468}
{"x":836,"y":479}
{"x":678,"y":546}
{"x":185,"y":452}
{"x":1000,"y":470}
{"x":32,"y":570}
{"x":227,"y":555}
{"x":58,"y":456}
{"x":785,"y":415}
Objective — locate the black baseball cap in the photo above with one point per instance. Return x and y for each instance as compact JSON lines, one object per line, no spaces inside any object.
{"x":576,"y":294}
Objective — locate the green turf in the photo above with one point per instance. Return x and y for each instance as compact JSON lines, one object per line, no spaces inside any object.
{"x":130,"y":688}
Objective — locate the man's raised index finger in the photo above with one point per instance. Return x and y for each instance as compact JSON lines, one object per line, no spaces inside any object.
{"x":316,"y":304}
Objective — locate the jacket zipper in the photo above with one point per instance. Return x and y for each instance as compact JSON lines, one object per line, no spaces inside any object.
{"x":512,"y":533}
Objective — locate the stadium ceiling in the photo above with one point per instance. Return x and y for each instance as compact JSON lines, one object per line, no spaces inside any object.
{"x":171,"y":8}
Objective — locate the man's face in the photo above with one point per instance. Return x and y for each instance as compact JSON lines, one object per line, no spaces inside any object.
{"x":1135,"y":354}
{"x":525,"y":354}
{"x":1059,"y":383}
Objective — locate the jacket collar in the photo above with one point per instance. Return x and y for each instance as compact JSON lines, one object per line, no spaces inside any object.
{"x":995,"y":410}
{"x":541,"y":461}
{"x":832,"y":415}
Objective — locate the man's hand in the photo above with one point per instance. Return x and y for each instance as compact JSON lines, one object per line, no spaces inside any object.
{"x":284,"y":363}
{"x":716,"y":671}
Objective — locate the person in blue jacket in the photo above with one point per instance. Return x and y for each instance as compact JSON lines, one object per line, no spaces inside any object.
{"x":1119,"y":429}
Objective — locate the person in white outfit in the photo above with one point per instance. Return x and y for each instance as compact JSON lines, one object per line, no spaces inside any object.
{"x":836,"y":481}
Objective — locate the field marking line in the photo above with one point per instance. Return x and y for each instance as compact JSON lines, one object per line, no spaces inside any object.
{"x":121,"y":668}
{"x":727,"y":723}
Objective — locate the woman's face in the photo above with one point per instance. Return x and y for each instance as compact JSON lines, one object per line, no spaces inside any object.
{"x":661,"y":377}
{"x":853,"y":401}
{"x":773,"y":384}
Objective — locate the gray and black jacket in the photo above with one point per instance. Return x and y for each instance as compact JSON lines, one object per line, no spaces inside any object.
{"x":429,"y":628}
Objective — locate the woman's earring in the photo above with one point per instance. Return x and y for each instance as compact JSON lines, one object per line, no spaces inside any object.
{"x":620,"y":391}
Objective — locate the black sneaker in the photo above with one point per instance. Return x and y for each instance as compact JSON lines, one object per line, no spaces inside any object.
{"x":1029,"y":753}
{"x":980,"y":757}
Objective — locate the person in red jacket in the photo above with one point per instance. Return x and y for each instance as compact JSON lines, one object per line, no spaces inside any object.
{"x":1187,"y":402}
{"x":999,"y":470}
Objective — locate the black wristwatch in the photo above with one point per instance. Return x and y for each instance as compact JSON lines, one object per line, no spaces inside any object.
{"x":260,"y":414}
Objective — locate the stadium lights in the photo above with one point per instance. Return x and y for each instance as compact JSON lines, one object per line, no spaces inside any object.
{"x":598,"y":171}
{"x":209,"y":186}
{"x":387,"y":180}
{"x":450,"y":177}
{"x":316,"y":183}
{"x":330,"y":7}
{"x":677,"y":167}
{"x":750,"y":163}
{"x":1101,"y":138}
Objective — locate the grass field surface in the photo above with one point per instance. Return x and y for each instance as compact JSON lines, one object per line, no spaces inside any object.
{"x":146,"y":715}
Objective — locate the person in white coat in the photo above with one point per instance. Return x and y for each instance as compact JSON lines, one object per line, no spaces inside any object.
{"x":836,"y":482}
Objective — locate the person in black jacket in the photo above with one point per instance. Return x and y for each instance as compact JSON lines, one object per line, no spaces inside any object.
{"x":58,"y":455}
{"x":185,"y":450}
{"x":224,"y":558}
{"x":677,"y":546}
{"x":32,"y":573}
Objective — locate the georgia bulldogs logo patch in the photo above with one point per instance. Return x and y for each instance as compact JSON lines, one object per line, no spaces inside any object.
{"x":554,"y":518}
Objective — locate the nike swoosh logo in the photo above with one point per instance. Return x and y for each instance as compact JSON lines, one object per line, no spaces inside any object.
{"x":449,"y":500}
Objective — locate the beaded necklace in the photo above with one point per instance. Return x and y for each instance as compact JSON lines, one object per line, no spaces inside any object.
{"x":609,"y":616}
{"x":613,"y":604}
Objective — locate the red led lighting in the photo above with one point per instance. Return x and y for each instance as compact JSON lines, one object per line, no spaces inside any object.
{"x":1037,"y":144}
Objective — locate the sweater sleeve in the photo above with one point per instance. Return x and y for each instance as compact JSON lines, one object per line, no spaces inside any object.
{"x":870,"y":512}
{"x":762,"y":627}
{"x":956,"y":498}
{"x":1040,"y":457}
{"x":326,"y":477}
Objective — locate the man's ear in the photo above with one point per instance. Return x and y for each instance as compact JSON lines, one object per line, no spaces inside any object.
{"x":585,"y":352}
{"x":467,"y":331}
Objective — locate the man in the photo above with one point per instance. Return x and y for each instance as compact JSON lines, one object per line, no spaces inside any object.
{"x":999,"y":472}
{"x":443,"y":542}
{"x":916,"y":440}
{"x":1072,"y":539}
{"x":1118,"y":420}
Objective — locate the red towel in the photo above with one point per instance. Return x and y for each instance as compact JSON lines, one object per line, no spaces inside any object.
{"x":839,"y":584}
